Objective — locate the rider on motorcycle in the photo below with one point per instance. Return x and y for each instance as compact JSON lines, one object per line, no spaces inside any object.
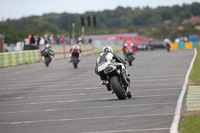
{"x":49,"y":49}
{"x":75,"y":47}
{"x":105,"y":58}
{"x":167,"y":44}
{"x":128,"y":44}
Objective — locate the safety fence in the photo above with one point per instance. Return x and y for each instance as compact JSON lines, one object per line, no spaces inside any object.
{"x":19,"y":58}
{"x":186,"y":45}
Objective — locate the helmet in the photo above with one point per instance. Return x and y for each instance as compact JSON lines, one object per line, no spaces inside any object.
{"x":107,"y":49}
{"x":47,"y":46}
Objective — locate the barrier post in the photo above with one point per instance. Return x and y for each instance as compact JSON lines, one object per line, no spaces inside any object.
{"x":1,"y":43}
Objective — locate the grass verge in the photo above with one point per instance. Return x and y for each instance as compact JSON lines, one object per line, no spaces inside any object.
{"x":191,"y":121}
{"x":98,"y":50}
{"x":195,"y":73}
{"x":190,"y":124}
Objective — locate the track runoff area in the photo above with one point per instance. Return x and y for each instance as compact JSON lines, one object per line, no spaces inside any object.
{"x":61,"y":99}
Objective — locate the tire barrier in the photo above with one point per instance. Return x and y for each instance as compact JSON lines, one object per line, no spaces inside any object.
{"x":186,"y":45}
{"x":19,"y":58}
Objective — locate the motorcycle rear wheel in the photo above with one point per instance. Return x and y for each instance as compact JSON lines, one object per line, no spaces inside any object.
{"x":130,"y":59}
{"x":75,"y":62}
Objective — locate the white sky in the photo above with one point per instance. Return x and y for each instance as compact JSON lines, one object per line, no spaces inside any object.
{"x":15,"y":9}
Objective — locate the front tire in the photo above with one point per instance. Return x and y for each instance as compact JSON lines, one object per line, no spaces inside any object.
{"x":119,"y":91}
{"x":47,"y":60}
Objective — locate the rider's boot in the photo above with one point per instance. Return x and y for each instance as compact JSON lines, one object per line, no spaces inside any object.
{"x":105,"y":82}
{"x":43,"y":59}
{"x":70,"y":60}
{"x":128,"y":91}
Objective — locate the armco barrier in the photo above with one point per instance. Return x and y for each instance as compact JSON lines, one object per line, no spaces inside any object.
{"x":18,"y":58}
{"x":186,"y":45}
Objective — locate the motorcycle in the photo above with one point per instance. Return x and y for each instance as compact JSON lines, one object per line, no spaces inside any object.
{"x":47,"y":57}
{"x":129,"y":55}
{"x":168,"y":47}
{"x":47,"y":54}
{"x":75,"y":58}
{"x":117,"y":81}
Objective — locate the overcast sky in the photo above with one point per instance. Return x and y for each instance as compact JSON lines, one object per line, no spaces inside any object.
{"x":15,"y":9}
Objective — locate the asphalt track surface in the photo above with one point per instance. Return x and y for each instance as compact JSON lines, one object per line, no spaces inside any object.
{"x":61,"y":99}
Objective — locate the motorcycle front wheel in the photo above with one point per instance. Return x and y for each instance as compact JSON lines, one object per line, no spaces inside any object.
{"x":119,"y":91}
{"x":47,"y":61}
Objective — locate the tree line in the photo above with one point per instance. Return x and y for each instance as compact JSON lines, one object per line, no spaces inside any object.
{"x":160,"y":22}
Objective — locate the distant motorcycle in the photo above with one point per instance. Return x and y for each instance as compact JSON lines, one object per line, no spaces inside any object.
{"x":47,"y":55}
{"x":129,"y":55}
{"x":168,"y":47}
{"x":75,"y":58}
{"x":75,"y":53}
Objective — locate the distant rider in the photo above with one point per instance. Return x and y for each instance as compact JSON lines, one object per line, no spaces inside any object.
{"x":130,"y":45}
{"x":75,"y":47}
{"x":49,"y":49}
{"x":167,"y":44}
{"x":105,"y":58}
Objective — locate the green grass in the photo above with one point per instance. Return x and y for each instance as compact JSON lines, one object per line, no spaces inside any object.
{"x":195,"y":73}
{"x":98,"y":50}
{"x":190,"y":124}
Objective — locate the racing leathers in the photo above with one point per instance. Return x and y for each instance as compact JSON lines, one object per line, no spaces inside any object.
{"x":47,"y":48}
{"x":75,"y":47}
{"x":106,"y":58}
{"x":126,"y":46}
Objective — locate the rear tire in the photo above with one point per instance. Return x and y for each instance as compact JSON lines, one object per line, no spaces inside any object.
{"x":75,"y":62}
{"x":130,"y":63}
{"x":130,"y":59}
{"x":119,"y":91}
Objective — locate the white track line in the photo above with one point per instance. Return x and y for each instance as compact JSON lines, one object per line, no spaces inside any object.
{"x":130,"y":130}
{"x":68,"y":84}
{"x":64,"y":85}
{"x":72,"y":89}
{"x":157,"y":84}
{"x":132,"y":77}
{"x":79,"y":94}
{"x":87,"y":118}
{"x":50,"y":90}
{"x":81,"y":108}
{"x":96,"y":80}
{"x":174,"y":125}
{"x":41,"y":90}
{"x":82,"y":100}
{"x":60,"y":84}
